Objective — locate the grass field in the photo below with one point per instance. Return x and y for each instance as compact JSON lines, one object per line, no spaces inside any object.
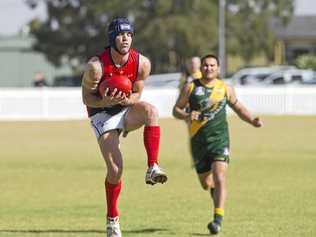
{"x":51,"y":182}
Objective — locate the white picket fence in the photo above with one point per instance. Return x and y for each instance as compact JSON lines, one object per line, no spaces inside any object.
{"x":66,"y":103}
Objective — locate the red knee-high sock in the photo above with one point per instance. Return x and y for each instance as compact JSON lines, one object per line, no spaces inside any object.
{"x":151,"y":142}
{"x":112,"y":193}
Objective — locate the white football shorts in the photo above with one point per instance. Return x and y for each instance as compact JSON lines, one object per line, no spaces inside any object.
{"x":103,"y":122}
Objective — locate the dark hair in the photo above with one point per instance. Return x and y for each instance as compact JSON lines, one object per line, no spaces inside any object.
{"x":210,"y":56}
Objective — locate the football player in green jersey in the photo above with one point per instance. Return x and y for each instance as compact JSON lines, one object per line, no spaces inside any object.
{"x":209,"y":137}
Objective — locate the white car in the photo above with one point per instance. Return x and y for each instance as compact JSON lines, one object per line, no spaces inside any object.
{"x":255,"y":75}
{"x":291,"y":76}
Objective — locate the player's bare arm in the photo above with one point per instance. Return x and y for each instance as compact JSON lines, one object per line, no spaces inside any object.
{"x":90,"y":80}
{"x":144,"y":69}
{"x":241,"y":110}
{"x":181,"y":103}
{"x":92,"y":75}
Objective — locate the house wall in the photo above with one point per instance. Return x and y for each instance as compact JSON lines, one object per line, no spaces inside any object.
{"x":19,"y":63}
{"x":296,"y":47}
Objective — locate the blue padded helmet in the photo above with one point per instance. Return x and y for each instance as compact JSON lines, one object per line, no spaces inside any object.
{"x":118,"y":25}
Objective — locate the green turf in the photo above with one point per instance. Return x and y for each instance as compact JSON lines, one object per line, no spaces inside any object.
{"x":51,"y":182}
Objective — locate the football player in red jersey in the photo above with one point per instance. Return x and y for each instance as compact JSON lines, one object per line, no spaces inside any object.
{"x":113,"y":113}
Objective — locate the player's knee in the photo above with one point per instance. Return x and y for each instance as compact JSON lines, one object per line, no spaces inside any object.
{"x":150,"y":112}
{"x":207,"y":185}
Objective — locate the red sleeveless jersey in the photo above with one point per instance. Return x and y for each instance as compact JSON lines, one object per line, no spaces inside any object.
{"x":129,"y":69}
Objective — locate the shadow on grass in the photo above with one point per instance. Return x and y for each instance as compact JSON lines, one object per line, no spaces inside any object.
{"x":199,"y":234}
{"x":145,"y":231}
{"x":58,"y":231}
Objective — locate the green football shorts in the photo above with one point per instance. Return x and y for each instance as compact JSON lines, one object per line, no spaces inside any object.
{"x":205,"y":164}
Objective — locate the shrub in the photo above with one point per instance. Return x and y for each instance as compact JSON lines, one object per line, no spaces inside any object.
{"x":306,"y":61}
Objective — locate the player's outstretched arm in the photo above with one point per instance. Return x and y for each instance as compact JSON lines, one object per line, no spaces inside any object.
{"x":241,"y":110}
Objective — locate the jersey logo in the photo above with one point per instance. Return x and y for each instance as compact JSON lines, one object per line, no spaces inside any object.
{"x":199,"y":91}
{"x":226,"y":151}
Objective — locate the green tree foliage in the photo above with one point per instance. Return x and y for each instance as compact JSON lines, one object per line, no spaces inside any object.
{"x":168,"y":32}
{"x":306,"y":61}
{"x":248,"y":26}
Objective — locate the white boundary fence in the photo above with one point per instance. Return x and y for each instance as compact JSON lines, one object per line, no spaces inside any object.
{"x":66,"y":103}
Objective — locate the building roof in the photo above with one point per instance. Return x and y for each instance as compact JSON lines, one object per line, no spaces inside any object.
{"x":302,"y":27}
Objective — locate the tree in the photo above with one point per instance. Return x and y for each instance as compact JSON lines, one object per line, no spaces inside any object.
{"x":176,"y":30}
{"x":168,"y":32}
{"x":248,"y":26}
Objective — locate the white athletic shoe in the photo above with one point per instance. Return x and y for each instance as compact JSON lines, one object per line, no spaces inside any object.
{"x":113,"y":227}
{"x":155,"y":175}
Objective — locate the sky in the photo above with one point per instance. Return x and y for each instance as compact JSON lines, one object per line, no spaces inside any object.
{"x":14,"y":14}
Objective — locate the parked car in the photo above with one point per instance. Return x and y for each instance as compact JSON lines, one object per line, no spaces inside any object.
{"x":290,"y":76}
{"x":311,"y":82}
{"x":255,"y":75}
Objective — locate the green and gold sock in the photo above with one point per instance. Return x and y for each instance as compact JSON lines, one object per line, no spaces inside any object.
{"x":218,"y":215}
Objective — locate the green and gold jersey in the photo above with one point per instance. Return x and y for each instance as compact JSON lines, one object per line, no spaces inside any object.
{"x":209,"y":134}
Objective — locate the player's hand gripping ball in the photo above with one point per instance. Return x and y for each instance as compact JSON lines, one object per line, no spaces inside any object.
{"x":120,"y":82}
